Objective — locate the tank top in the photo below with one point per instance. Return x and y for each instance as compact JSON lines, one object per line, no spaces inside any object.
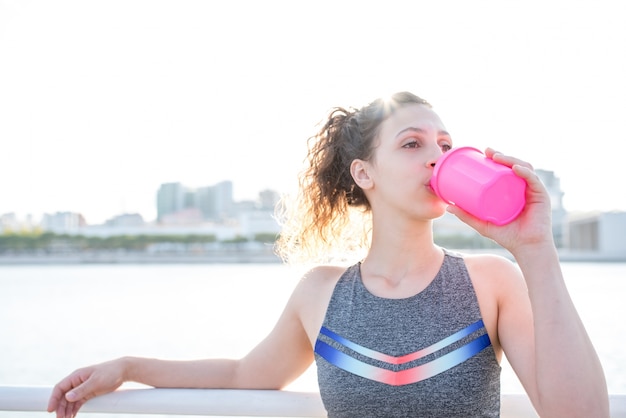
{"x":427,"y":355}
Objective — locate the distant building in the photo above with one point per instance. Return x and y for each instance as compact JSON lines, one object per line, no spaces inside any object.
{"x":268,"y":199}
{"x":189,"y":216}
{"x":9,"y":222}
{"x":126,"y":219}
{"x":170,"y":199}
{"x":559,"y":214}
{"x":207,"y":202}
{"x":245,"y":206}
{"x":63,"y":222}
{"x":600,"y":233}
{"x":214,"y":203}
{"x":224,"y":204}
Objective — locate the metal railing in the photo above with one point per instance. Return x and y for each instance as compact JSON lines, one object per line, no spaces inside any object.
{"x":225,"y":402}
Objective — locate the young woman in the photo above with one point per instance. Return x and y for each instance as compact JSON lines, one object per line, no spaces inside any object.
{"x":411,"y":330}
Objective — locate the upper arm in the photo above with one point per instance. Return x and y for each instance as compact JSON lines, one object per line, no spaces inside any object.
{"x":516,"y":326}
{"x":287,"y":351}
{"x":505,"y":307}
{"x":279,"y":358}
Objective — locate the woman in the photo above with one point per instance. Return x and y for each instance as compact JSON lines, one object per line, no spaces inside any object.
{"x":411,"y":329}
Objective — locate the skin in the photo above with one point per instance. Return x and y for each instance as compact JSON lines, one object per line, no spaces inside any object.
{"x":525,"y":306}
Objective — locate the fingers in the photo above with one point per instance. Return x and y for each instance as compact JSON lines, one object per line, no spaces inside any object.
{"x":68,"y":404}
{"x":82,"y":393}
{"x":506,"y":159}
{"x":65,"y":409}
{"x":70,"y":394}
{"x":58,"y":393}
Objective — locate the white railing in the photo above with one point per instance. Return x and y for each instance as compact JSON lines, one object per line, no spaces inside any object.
{"x":225,"y":402}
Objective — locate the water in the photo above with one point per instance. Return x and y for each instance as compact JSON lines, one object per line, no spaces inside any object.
{"x":54,"y":319}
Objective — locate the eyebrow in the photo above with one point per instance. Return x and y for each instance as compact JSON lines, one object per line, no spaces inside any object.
{"x":420,"y":130}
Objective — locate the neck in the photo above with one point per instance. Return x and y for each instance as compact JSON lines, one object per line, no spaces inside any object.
{"x":400,"y":255}
{"x":402,"y":241}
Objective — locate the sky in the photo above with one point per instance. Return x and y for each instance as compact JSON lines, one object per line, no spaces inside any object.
{"x":103,"y":101}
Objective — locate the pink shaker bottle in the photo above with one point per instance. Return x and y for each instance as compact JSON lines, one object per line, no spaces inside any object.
{"x":465,"y":177}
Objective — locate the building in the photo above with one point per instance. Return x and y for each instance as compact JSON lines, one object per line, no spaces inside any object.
{"x":63,"y":222}
{"x":597,"y":235}
{"x":559,"y":214}
{"x":268,"y":199}
{"x":258,"y":221}
{"x":170,"y":199}
{"x":9,"y":222}
{"x":216,"y":202}
{"x":213,"y":203}
{"x":126,"y":219}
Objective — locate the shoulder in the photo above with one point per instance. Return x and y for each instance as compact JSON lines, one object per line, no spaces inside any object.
{"x":312,"y":294}
{"x":489,"y":267}
{"x":494,"y":276}
{"x":327,"y":274}
{"x":318,"y":283}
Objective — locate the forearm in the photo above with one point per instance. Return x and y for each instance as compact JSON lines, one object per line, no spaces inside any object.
{"x":567,"y":368}
{"x":209,"y":374}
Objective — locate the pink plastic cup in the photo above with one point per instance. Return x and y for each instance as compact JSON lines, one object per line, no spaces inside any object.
{"x":465,"y":177}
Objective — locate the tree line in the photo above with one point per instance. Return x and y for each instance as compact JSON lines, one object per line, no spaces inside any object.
{"x":50,"y":242}
{"x":29,"y":242}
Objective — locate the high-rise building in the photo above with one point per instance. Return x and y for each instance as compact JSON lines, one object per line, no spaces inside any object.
{"x":224,"y":200}
{"x":170,"y":199}
{"x":215,"y":203}
{"x":206,"y":201}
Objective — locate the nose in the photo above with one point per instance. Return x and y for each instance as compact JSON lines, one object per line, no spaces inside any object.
{"x":432,"y":161}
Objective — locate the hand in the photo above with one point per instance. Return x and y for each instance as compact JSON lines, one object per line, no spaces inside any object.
{"x":533,"y":226}
{"x":69,"y":395}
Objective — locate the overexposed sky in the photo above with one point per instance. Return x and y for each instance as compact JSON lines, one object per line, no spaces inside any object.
{"x":102,"y":101}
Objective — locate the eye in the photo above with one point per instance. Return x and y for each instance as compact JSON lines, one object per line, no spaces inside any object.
{"x":412,"y":144}
{"x":446,"y":147}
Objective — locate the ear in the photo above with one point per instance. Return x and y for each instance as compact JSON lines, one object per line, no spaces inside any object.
{"x":359,"y":170}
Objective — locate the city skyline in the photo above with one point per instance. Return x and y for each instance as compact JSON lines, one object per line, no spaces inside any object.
{"x":263,"y":200}
{"x":260,"y":201}
{"x":93,"y":120}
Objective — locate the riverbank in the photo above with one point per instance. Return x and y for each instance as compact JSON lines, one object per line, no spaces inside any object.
{"x":225,"y":257}
{"x":235,"y":256}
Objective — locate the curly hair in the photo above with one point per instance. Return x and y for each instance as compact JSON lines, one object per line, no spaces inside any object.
{"x":329,"y":219}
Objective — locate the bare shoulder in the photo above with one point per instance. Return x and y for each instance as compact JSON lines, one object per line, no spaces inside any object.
{"x":312,"y":294}
{"x":321,"y":278}
{"x":494,"y":269}
{"x":316,"y":286}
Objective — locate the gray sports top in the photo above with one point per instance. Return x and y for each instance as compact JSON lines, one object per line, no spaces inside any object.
{"x":428,"y":355}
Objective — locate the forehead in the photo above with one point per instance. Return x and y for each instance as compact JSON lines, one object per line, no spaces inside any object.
{"x":414,"y":116}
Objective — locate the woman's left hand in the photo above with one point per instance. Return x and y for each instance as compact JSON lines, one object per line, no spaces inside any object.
{"x":533,"y":226}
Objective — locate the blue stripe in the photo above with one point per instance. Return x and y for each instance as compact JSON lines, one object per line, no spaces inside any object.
{"x":428,"y":350}
{"x":421,"y":372}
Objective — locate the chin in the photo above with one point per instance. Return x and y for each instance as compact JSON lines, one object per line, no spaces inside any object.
{"x":440,"y":210}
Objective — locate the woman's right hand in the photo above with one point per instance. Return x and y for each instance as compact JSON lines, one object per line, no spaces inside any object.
{"x":69,"y":395}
